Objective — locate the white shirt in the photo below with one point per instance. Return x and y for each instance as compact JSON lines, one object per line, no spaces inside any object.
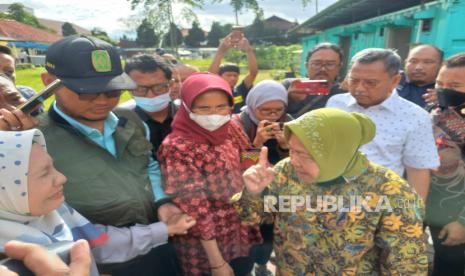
{"x":404,"y":132}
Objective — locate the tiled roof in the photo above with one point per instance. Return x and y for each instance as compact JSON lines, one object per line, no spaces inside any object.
{"x":20,"y":31}
{"x":56,"y":25}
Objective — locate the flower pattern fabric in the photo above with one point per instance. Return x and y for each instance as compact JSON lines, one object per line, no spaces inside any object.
{"x":201,"y":178}
{"x":341,"y":242}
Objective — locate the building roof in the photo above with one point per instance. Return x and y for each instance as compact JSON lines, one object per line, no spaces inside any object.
{"x":56,"y":25}
{"x":23,"y":32}
{"x":350,"y":11}
{"x":276,"y":22}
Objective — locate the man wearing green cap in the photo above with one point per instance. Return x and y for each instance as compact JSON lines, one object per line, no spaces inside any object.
{"x":335,"y":212}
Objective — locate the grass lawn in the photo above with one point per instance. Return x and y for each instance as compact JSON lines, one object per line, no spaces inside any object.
{"x":31,"y":77}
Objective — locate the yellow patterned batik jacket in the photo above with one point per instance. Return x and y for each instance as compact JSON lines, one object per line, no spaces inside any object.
{"x":368,"y":225}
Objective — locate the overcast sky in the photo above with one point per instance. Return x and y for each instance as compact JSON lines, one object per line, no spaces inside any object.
{"x":107,"y":14}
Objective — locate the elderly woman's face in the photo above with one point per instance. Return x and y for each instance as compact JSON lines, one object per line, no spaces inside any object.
{"x":9,"y":95}
{"x":304,"y":164}
{"x":213,"y":102}
{"x":45,"y":183}
{"x":270,"y":111}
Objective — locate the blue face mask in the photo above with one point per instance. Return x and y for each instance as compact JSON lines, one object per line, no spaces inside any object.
{"x":154,"y":104}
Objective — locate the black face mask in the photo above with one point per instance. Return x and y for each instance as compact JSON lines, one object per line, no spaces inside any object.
{"x":449,"y":97}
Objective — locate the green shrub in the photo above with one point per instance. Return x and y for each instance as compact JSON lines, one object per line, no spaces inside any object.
{"x":23,"y":66}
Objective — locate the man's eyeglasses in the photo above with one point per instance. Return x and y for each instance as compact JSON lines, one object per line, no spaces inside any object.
{"x":369,"y":84}
{"x":319,"y":65}
{"x":93,"y":96}
{"x":156,"y":89}
{"x":270,"y":111}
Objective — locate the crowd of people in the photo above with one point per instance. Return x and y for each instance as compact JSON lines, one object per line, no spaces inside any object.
{"x":200,"y":174}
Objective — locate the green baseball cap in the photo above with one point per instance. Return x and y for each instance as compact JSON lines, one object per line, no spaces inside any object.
{"x":87,"y":65}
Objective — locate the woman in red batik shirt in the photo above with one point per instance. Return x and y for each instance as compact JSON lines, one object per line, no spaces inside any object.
{"x":200,"y":161}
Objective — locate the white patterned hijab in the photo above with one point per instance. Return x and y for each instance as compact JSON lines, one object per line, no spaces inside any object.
{"x":16,"y":222}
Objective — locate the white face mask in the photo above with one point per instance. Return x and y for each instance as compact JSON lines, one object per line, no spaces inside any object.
{"x":210,"y":122}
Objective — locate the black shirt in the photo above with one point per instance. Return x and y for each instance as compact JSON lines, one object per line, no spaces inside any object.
{"x":158,"y":131}
{"x":240,"y":94}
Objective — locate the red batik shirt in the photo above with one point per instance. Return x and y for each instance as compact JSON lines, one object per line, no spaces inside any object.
{"x":202,"y":178}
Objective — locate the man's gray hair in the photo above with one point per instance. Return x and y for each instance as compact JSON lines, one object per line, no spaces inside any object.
{"x":391,"y":59}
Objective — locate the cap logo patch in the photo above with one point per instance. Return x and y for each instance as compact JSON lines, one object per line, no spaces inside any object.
{"x":101,"y":61}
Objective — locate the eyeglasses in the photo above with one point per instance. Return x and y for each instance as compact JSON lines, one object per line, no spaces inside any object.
{"x":93,"y":96}
{"x":369,"y":84}
{"x":270,"y":111}
{"x":205,"y":110}
{"x":319,"y":65}
{"x":157,"y":89}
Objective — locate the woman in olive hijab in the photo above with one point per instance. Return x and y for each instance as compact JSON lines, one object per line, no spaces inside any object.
{"x":335,"y":212}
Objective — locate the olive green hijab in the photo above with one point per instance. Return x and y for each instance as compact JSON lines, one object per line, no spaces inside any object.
{"x":332,"y":137}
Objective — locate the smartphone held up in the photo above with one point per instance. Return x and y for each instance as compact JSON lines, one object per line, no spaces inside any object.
{"x":311,"y":87}
{"x":38,"y":99}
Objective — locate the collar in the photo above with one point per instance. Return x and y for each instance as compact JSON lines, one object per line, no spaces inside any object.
{"x":110,"y":124}
{"x":390,"y":103}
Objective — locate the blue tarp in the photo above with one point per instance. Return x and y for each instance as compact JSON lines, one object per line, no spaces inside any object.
{"x":28,"y":44}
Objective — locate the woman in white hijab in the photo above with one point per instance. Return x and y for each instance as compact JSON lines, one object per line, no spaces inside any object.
{"x":32,"y":205}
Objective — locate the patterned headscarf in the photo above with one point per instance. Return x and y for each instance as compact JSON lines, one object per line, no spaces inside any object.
{"x":261,"y":93}
{"x":332,"y":137}
{"x":62,"y":224}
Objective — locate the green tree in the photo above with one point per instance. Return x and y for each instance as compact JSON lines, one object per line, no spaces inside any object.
{"x":215,"y":34}
{"x":256,"y":30}
{"x":196,"y":35}
{"x":67,"y":29}
{"x":176,"y":39}
{"x":160,"y":14}
{"x":101,"y":34}
{"x":239,"y":5}
{"x":17,"y":12}
{"x":146,"y":36}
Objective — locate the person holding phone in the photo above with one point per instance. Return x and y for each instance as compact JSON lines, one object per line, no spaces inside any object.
{"x":262,"y":120}
{"x":231,"y":72}
{"x":324,"y":62}
{"x":263,"y":116}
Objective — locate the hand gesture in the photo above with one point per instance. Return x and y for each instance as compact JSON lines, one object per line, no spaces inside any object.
{"x":296,"y":94}
{"x":264,"y":133}
{"x":226,"y":44}
{"x":243,"y":44}
{"x":454,"y":233}
{"x":430,"y":96}
{"x":259,"y":176}
{"x":167,"y":210}
{"x":179,"y":224}
{"x":16,"y":120}
{"x":41,"y":262}
{"x":279,"y":135}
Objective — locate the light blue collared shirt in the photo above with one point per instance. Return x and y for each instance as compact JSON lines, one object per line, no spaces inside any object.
{"x":107,"y":142}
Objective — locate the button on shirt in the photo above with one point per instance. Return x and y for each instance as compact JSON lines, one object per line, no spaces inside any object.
{"x":404,"y":132}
